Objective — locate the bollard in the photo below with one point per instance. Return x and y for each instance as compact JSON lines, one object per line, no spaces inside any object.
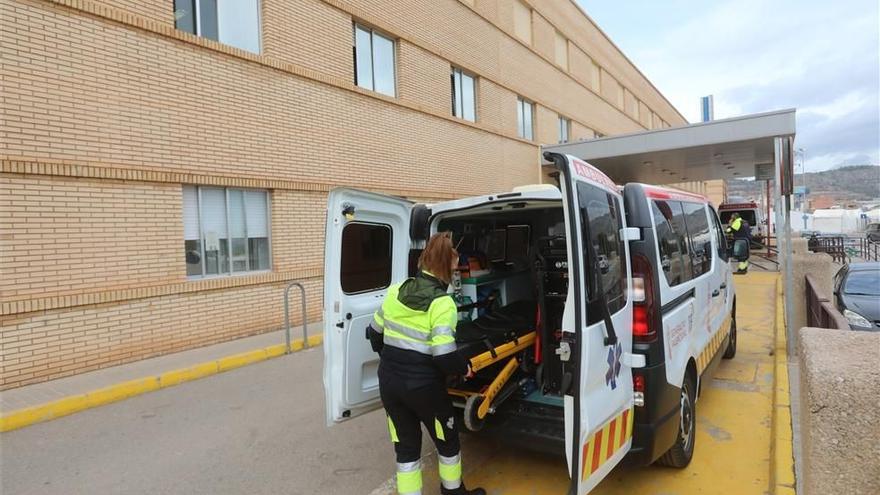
{"x":302,"y":291}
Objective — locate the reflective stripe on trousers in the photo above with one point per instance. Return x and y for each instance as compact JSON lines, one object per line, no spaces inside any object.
{"x":409,"y":478}
{"x":450,"y":471}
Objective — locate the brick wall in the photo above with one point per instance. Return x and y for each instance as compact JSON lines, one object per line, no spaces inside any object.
{"x":108,"y":110}
{"x":62,"y":236}
{"x":52,"y":344}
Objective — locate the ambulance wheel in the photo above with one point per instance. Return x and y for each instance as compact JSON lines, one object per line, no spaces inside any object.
{"x":730,"y":352}
{"x":682,"y":451}
{"x":471,"y":421}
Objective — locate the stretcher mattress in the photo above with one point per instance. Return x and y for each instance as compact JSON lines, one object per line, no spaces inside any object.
{"x":495,"y":328}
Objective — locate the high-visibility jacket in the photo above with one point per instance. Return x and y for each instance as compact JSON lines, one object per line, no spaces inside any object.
{"x":414,"y":332}
{"x":740,"y":229}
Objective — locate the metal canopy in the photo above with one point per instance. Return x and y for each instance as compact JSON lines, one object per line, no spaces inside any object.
{"x":720,"y":149}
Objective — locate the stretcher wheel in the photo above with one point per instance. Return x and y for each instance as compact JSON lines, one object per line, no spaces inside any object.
{"x":471,"y":406}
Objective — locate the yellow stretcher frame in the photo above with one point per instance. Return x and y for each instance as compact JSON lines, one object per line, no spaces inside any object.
{"x":487,"y":359}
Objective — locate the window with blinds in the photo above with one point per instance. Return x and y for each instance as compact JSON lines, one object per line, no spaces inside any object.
{"x":225,"y":231}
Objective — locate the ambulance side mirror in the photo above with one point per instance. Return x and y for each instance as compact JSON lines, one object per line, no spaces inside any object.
{"x":740,"y":250}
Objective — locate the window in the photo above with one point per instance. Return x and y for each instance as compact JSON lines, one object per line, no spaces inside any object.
{"x":561,"y":50}
{"x":463,"y":100}
{"x":672,"y":241}
{"x":524,"y":118}
{"x":595,"y":77}
{"x":225,"y":231}
{"x":366,"y":257}
{"x":747,"y":215}
{"x":720,"y":238}
{"x":701,"y":239}
{"x":374,"y":61}
{"x":233,"y":23}
{"x":522,"y":21}
{"x":600,"y":216}
{"x":564,"y":129}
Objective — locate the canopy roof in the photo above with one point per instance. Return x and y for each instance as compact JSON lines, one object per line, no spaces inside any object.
{"x":720,"y":149}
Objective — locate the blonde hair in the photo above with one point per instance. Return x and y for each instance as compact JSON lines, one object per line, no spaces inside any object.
{"x":438,"y":256}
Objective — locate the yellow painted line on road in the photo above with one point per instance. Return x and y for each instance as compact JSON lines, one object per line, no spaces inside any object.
{"x":117,"y":392}
{"x":782,"y":480}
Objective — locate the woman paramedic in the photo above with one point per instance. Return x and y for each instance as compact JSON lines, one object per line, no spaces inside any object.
{"x":414,"y":334}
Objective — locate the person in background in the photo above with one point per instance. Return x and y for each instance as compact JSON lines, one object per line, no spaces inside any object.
{"x":740,"y":229}
{"x":414,"y":334}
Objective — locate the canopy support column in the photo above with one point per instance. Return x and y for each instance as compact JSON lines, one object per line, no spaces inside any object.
{"x":783,"y":239}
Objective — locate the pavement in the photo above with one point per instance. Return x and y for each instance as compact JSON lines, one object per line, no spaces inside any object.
{"x":260,"y":429}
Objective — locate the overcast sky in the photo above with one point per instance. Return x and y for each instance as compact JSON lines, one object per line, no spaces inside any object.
{"x":822,"y":57}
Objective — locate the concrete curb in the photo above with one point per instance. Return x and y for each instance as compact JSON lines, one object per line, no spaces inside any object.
{"x":114,"y":393}
{"x":782,"y":479}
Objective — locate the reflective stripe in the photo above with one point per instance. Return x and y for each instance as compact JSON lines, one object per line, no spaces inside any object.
{"x":378,"y":323}
{"x":450,"y":471}
{"x":441,"y":349}
{"x":410,"y":332}
{"x":409,"y":478}
{"x":393,"y":431}
{"x":405,"y":343}
{"x":444,"y":330}
{"x":449,"y":461}
{"x":438,"y":430}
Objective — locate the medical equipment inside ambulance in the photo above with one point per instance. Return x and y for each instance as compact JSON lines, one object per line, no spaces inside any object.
{"x":510,"y":287}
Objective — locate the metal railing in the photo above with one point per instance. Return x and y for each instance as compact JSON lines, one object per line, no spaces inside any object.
{"x":305,"y":318}
{"x":869,"y":250}
{"x":834,"y":246}
{"x":821,"y":312}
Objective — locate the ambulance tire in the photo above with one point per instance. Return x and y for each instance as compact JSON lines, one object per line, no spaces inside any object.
{"x":682,"y":451}
{"x":730,"y":352}
{"x":471,"y":421}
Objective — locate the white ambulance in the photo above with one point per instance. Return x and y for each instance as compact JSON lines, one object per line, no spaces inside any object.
{"x":617,"y":302}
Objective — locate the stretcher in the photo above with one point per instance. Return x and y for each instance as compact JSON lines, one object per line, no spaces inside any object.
{"x":501,"y":337}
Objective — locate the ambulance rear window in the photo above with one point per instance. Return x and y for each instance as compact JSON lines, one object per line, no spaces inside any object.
{"x":747,"y":215}
{"x":366,"y":257}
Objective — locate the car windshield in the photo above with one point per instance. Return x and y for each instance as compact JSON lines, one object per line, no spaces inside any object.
{"x":866,"y":283}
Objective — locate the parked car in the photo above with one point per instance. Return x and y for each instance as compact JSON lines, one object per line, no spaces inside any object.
{"x":872,"y":232}
{"x":857,"y":294}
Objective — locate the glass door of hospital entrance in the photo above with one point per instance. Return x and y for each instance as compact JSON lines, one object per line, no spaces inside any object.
{"x":367,"y":246}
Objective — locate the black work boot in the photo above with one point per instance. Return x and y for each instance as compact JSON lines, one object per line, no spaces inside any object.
{"x":461,"y":490}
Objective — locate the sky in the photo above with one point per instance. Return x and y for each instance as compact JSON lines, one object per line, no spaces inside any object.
{"x":821,"y":57}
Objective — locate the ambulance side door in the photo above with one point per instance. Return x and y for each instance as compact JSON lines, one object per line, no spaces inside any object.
{"x":367,"y":247}
{"x":597,"y":325}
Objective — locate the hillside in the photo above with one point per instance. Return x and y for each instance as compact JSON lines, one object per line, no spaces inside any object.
{"x":855,"y":183}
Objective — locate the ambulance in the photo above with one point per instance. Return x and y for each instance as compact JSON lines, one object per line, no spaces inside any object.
{"x":750,"y":212}
{"x":591,"y":312}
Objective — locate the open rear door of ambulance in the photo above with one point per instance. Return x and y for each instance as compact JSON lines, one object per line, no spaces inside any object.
{"x":597,"y":324}
{"x":367,"y":248}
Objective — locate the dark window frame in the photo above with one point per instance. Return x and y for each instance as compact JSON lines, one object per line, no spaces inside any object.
{"x":679,"y":270}
{"x":699,"y":236}
{"x":607,"y":244}
{"x":362,"y":254}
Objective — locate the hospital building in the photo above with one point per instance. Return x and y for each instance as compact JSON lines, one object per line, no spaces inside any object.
{"x":166,"y":163}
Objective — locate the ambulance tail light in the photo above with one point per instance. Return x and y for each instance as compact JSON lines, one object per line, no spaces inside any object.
{"x":638,"y":390}
{"x":643,"y":300}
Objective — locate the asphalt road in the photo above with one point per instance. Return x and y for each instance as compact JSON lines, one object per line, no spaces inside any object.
{"x":258,"y":429}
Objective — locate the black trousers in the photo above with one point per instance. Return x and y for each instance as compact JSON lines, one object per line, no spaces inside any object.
{"x":409,"y":409}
